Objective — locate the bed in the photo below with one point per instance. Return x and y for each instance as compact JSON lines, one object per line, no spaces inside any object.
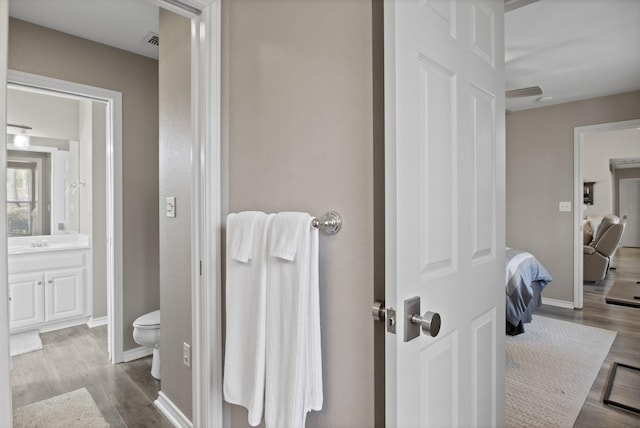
{"x":525,"y":280}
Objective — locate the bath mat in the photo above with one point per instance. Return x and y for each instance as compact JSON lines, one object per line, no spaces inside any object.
{"x":549,"y":371}
{"x":27,"y":341}
{"x":73,"y":409}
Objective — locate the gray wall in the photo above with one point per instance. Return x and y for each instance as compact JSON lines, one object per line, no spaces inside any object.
{"x":298,"y":85}
{"x":175,"y":180}
{"x":540,"y":174}
{"x":39,"y":50}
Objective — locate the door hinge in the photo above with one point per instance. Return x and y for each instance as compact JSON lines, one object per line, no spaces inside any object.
{"x":200,"y":267}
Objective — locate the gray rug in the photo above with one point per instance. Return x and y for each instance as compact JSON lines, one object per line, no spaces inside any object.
{"x":549,"y":371}
{"x":27,"y":341}
{"x":70,"y":410}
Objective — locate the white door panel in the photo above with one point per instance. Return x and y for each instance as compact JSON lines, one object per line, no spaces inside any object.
{"x":630,"y":211}
{"x":444,"y":107}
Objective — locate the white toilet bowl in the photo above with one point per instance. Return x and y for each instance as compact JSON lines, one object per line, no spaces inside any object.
{"x":146,"y":332}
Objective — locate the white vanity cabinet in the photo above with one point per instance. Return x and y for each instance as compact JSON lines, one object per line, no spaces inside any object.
{"x":48,"y":289}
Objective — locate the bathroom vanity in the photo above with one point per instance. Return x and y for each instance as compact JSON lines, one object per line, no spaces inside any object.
{"x":49,"y":281}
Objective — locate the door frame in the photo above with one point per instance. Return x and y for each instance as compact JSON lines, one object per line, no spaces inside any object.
{"x":113,"y":100}
{"x":207,"y":185}
{"x":578,"y":154}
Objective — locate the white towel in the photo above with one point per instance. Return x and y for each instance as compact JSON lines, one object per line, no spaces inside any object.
{"x":240,"y":242}
{"x":293,"y":353}
{"x":244,"y":363}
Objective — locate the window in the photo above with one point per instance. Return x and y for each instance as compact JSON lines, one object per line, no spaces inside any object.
{"x":21,"y":198}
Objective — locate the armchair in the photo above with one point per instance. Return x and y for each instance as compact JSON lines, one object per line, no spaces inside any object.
{"x":597,"y":255}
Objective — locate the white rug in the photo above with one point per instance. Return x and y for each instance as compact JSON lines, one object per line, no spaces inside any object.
{"x":549,"y":371}
{"x":27,"y":341}
{"x":75,"y":409}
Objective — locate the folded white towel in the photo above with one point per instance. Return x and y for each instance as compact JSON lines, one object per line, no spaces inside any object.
{"x":293,"y":353}
{"x":283,"y":239}
{"x":244,"y":363}
{"x":240,"y":242}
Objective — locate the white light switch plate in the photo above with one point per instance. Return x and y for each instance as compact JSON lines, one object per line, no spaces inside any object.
{"x":171,"y":206}
{"x":565,"y":206}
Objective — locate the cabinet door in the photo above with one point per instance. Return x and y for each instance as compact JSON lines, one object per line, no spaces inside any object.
{"x":26,"y":305}
{"x":64,"y":295}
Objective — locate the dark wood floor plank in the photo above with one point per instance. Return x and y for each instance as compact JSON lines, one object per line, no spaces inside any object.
{"x":625,"y":349}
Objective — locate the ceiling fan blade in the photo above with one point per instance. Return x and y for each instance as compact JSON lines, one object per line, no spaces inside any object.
{"x":531,"y":91}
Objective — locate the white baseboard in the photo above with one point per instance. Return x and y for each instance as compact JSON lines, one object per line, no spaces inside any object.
{"x":97,"y":322}
{"x":136,"y":353}
{"x":171,"y":412}
{"x":559,"y":303}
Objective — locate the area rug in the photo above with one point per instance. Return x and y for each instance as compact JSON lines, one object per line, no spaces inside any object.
{"x":73,"y":409}
{"x":549,"y":371}
{"x":27,"y":341}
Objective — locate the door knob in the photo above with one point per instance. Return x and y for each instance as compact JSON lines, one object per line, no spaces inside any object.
{"x":429,"y":322}
{"x":378,"y":311}
{"x":385,"y":315}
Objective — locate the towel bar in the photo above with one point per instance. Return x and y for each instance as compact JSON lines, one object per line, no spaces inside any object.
{"x":331,"y":223}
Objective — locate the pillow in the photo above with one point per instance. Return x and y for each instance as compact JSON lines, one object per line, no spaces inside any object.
{"x":594,"y":221}
{"x":587,"y":232}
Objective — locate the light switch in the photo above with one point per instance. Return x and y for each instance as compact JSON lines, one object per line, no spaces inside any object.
{"x":171,"y":206}
{"x":565,"y":206}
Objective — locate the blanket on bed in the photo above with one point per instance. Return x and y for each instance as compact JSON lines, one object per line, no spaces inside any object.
{"x":522,"y":270}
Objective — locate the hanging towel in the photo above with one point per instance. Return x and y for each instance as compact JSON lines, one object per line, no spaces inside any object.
{"x":246,"y":273}
{"x":293,"y":384}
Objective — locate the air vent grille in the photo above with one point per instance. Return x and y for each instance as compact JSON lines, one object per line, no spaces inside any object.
{"x":151,"y":40}
{"x":531,"y":91}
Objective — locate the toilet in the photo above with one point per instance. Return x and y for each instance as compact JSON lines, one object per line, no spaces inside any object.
{"x":146,"y":332}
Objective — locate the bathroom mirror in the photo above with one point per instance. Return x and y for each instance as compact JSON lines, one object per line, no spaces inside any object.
{"x":45,"y":186}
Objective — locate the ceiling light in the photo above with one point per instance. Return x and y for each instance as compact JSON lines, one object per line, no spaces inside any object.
{"x":21,"y":140}
{"x":543,"y":99}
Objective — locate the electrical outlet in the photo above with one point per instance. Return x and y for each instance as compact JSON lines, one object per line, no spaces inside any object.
{"x":186,"y":354}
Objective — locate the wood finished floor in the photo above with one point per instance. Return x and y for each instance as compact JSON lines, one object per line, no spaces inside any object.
{"x":76,"y":357}
{"x":625,"y":349}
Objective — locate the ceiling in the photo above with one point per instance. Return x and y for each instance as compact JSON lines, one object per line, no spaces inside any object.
{"x":119,"y":23}
{"x":572,"y":49}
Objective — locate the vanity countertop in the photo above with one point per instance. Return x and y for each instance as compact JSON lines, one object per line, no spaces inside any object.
{"x":42,"y":244}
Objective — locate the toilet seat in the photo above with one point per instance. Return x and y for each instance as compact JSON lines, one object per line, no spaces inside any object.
{"x":148,"y":321}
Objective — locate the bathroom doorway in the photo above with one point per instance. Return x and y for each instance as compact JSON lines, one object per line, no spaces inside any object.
{"x":64,"y":138}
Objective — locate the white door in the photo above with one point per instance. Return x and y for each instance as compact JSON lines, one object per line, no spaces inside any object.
{"x":64,"y":294}
{"x":630,"y":211}
{"x":445,"y":189}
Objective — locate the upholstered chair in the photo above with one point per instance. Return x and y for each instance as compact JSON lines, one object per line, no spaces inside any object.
{"x":597,"y":255}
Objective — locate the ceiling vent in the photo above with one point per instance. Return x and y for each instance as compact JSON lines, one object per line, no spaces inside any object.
{"x":151,"y":40}
{"x":531,"y":91}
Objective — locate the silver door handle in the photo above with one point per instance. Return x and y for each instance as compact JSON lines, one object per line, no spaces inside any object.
{"x":429,"y":322}
{"x":385,"y":315}
{"x":413,"y":322}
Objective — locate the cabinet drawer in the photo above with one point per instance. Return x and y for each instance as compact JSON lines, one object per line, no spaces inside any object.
{"x":47,"y":260}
